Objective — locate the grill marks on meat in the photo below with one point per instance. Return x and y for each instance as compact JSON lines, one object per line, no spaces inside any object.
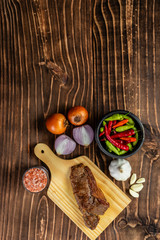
{"x":89,"y":197}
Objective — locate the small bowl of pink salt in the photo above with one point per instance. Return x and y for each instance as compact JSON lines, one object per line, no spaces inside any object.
{"x":35,"y":179}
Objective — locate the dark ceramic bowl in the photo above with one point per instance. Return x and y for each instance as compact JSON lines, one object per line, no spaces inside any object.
{"x":138,"y":125}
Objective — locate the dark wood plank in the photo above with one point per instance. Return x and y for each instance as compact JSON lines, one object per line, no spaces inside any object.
{"x":110,"y":51}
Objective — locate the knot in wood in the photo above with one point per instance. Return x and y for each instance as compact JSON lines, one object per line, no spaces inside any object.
{"x":151,"y":238}
{"x":122,"y":223}
{"x":152,"y":230}
{"x":152,"y":154}
{"x":56,"y":71}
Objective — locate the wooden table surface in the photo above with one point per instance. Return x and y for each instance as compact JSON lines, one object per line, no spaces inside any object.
{"x":110,"y":51}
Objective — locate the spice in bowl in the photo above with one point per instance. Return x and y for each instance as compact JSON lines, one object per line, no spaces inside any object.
{"x":35,"y":179}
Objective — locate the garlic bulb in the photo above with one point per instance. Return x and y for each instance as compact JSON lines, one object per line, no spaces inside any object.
{"x":120,"y":169}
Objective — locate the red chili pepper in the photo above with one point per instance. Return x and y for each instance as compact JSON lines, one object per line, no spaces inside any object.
{"x":114,"y":122}
{"x":121,"y":123}
{"x":120,"y":141}
{"x":110,"y":126}
{"x":103,"y":139}
{"x":101,"y":134}
{"x":116,"y":144}
{"x":126,"y":133}
{"x":129,"y":139}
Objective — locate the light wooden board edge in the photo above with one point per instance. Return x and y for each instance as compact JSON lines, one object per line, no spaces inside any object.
{"x":67,"y":203}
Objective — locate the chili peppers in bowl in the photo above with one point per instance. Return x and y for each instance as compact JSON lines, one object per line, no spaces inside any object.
{"x":120,"y":134}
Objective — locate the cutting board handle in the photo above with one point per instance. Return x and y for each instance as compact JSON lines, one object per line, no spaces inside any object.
{"x":44,"y":153}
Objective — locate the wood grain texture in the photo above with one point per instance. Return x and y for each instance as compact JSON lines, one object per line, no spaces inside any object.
{"x":110,"y":50}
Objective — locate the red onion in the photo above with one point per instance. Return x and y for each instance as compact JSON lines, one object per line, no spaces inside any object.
{"x":83,"y":135}
{"x":64,"y":145}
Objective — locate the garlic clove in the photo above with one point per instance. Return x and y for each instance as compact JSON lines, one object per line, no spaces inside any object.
{"x":141,"y":180}
{"x":133,"y":178}
{"x":133,"y":193}
{"x":137,"y":187}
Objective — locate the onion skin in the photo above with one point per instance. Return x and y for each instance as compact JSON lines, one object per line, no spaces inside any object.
{"x":78,"y":115}
{"x":57,"y":123}
{"x":64,"y":145}
{"x":83,"y":135}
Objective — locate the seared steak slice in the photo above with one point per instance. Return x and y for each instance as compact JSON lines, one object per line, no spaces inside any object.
{"x":91,"y":220}
{"x":90,"y":198}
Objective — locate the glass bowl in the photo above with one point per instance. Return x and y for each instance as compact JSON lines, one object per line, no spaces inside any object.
{"x":36,"y":178}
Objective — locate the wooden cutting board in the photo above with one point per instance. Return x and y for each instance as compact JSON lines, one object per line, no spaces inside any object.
{"x":60,"y":190}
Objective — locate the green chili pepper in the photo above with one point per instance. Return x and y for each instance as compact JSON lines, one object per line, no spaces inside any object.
{"x":109,"y":150}
{"x":112,"y":147}
{"x":104,"y":123}
{"x":128,"y":123}
{"x":124,"y":128}
{"x":115,"y":117}
{"x":130,"y":120}
{"x":136,"y":136}
{"x":122,"y":152}
{"x":118,"y":149}
{"x":101,"y":129}
{"x":130,"y":146}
